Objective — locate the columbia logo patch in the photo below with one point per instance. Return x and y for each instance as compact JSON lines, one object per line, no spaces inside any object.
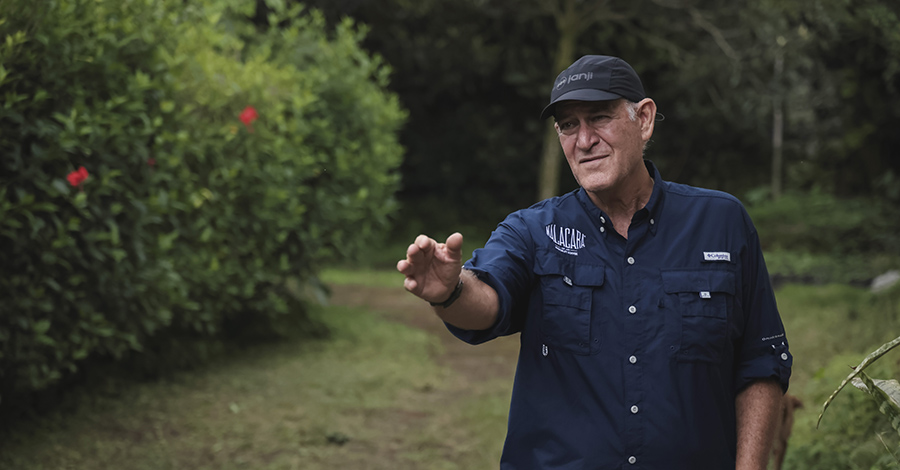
{"x":716,"y":256}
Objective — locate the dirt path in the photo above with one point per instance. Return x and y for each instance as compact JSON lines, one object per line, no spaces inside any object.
{"x":477,"y":372}
{"x":491,"y":360}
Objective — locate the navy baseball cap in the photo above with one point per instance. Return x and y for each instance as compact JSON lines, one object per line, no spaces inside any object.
{"x":595,"y":78}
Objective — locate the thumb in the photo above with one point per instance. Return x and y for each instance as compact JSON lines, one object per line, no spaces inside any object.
{"x":454,"y":245}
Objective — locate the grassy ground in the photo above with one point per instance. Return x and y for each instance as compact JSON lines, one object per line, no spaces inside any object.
{"x":391,"y":389}
{"x":374,"y":396}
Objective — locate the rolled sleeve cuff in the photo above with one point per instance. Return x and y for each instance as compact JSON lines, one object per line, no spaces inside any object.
{"x":773,"y":363}
{"x":502,"y":326}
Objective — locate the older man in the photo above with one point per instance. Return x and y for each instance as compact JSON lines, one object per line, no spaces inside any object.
{"x":650,"y":337}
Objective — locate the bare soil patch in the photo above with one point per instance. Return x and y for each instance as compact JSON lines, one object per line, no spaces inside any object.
{"x":492,"y":360}
{"x":425,"y":427}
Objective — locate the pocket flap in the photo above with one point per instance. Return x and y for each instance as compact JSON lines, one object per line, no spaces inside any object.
{"x":580,"y":274}
{"x":682,"y":280}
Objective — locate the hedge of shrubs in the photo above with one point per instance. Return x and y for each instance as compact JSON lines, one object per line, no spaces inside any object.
{"x":821,"y":238}
{"x":166,"y":166}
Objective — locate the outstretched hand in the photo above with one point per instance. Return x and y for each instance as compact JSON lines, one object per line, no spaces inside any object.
{"x":432,"y":269}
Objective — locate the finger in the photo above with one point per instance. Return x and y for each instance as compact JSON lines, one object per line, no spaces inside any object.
{"x":412,"y":250}
{"x":424,"y":243}
{"x":410,"y":284}
{"x":403,"y":265}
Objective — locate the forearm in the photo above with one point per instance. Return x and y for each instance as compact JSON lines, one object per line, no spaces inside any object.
{"x":757,"y":411}
{"x":475,"y":309}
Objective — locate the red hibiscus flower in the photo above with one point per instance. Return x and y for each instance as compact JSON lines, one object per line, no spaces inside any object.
{"x":77,"y":177}
{"x":248,"y":115}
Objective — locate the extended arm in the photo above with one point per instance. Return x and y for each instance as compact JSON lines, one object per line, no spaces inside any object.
{"x":757,"y":408}
{"x":433,"y":270}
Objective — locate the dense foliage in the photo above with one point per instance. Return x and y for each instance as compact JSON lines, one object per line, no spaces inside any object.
{"x":219,"y":160}
{"x":818,"y":237}
{"x":475,"y":75}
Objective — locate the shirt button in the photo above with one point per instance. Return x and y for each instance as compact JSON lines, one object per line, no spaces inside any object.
{"x":632,"y":460}
{"x":602,"y":220}
{"x":784,"y":356}
{"x":632,"y":309}
{"x":632,"y":359}
{"x":567,"y":280}
{"x":652,"y":222}
{"x":602,"y":229}
{"x":634,"y":409}
{"x":630,"y":260}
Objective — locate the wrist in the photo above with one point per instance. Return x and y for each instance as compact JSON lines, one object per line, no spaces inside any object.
{"x":457,"y":291}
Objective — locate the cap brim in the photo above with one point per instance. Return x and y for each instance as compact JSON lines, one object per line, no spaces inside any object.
{"x":585,"y":94}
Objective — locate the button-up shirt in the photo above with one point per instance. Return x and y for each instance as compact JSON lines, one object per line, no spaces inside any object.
{"x":632,"y":350}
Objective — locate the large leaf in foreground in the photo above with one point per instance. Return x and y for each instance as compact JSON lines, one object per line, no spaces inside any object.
{"x":858,"y":370}
{"x":885,"y":392}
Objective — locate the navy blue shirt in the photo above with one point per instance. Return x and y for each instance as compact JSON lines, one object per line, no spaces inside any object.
{"x":632,"y":350}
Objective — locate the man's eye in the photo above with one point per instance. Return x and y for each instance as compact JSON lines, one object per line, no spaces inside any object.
{"x":567,"y":126}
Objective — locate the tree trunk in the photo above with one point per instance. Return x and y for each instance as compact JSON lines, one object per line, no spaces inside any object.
{"x":778,"y":126}
{"x":569,"y":25}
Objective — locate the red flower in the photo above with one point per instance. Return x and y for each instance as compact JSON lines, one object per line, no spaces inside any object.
{"x":151,"y":161}
{"x":77,"y":177}
{"x":248,"y":115}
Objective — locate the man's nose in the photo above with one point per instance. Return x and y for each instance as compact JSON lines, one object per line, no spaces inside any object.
{"x":587,"y":137}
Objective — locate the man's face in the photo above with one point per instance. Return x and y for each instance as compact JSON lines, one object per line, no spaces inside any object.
{"x":603,"y":145}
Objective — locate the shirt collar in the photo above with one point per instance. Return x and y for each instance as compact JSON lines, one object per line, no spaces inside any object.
{"x":654,"y":205}
{"x":651,"y":210}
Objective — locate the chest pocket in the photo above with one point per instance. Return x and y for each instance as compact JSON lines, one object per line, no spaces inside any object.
{"x":704,"y":300}
{"x":567,"y":289}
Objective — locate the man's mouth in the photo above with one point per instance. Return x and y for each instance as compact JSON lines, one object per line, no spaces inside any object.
{"x":592,"y":158}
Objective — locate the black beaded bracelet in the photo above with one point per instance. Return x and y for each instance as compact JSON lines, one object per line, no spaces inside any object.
{"x":453,"y":296}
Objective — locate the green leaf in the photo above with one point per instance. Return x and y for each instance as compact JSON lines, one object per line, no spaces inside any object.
{"x":886,"y":394}
{"x":41,"y":327}
{"x":60,"y":186}
{"x":858,"y":370}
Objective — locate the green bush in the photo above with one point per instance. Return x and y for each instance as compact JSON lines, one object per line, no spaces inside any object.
{"x":822,"y":223}
{"x":823,"y":238}
{"x":190,"y":220}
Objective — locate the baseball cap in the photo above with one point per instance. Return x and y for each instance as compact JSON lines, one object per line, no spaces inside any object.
{"x":595,"y":78}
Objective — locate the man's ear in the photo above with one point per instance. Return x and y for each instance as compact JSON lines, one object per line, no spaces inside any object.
{"x":647,"y":116}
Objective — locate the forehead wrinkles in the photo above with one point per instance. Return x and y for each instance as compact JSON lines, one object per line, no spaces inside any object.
{"x":567,"y":109}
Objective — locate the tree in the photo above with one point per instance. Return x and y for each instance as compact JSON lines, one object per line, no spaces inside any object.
{"x":474,"y":75}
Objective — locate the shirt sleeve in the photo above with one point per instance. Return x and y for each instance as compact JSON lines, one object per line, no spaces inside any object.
{"x":763,"y":352}
{"x":505,"y":264}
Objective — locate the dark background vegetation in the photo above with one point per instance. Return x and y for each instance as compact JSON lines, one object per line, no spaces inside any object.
{"x":382,"y":119}
{"x":474,"y":75}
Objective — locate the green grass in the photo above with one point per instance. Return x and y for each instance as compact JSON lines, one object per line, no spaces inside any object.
{"x":282,"y":406}
{"x":372,"y":395}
